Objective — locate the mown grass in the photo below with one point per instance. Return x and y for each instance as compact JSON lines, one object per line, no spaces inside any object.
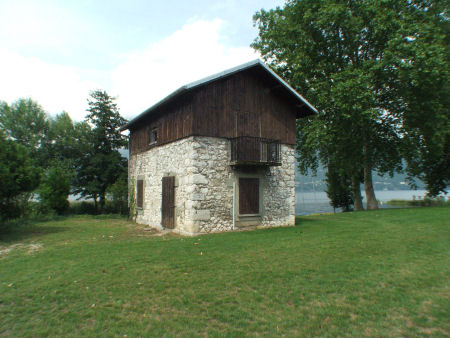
{"x":382,"y":273}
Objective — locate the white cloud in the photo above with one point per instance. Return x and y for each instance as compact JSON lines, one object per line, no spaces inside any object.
{"x":196,"y":50}
{"x":28,"y":24}
{"x":55,"y":88}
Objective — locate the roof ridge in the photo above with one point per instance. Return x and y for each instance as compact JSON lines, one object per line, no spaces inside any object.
{"x":215,"y":77}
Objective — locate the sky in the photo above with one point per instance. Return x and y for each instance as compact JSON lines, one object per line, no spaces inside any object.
{"x":139,"y":51}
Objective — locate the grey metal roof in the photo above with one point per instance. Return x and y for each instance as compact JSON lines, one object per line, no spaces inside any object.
{"x":215,"y":77}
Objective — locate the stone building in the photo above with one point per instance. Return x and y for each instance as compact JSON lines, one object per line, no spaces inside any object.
{"x":218,"y":154}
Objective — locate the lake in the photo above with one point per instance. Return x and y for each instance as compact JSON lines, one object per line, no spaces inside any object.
{"x":317,"y":202}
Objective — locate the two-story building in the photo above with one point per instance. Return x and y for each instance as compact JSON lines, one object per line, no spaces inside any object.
{"x":218,"y":154}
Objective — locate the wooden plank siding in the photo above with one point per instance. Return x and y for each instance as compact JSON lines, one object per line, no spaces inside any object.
{"x":219,"y":108}
{"x":173,"y":121}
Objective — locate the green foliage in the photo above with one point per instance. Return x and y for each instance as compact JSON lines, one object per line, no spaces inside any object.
{"x":55,"y":189}
{"x":61,"y":148}
{"x":18,"y":177}
{"x":64,"y":141}
{"x":24,"y":121}
{"x":118,"y":194}
{"x":339,"y":189}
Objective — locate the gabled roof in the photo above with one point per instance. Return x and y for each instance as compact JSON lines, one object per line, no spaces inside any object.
{"x":215,"y":77}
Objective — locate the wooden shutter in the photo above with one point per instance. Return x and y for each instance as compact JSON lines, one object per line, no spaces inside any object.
{"x":248,"y":196}
{"x":168,"y":202}
{"x":140,"y":193}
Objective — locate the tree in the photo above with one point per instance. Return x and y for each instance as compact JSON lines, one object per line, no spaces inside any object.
{"x":18,"y":176}
{"x":341,"y":55}
{"x":101,"y":164}
{"x":105,"y":118}
{"x":421,"y":79}
{"x":24,"y":121}
{"x":339,"y":189}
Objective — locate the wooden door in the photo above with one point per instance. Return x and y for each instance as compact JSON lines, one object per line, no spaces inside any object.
{"x":248,"y":196}
{"x":168,"y":202}
{"x":140,"y":194}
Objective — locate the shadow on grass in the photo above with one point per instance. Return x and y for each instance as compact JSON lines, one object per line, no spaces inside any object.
{"x":302,"y":220}
{"x":26,"y":229}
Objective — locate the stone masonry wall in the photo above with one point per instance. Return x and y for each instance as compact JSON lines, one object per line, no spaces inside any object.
{"x":204,"y":185}
{"x":279,"y":191}
{"x":173,"y":159}
{"x":203,"y":193}
{"x":214,"y":193}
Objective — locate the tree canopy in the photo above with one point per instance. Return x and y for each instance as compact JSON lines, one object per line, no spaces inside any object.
{"x":18,"y":175}
{"x":24,"y":121}
{"x":346,"y":57}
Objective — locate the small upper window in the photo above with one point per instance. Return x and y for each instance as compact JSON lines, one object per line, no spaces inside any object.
{"x":153,"y":137}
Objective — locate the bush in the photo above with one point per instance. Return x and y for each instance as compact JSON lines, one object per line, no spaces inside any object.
{"x":426,"y":202}
{"x":88,"y":208}
{"x":54,"y":190}
{"x":117,"y":195}
{"x":339,"y":189}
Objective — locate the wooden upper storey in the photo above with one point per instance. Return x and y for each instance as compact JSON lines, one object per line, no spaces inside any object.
{"x":248,"y":102}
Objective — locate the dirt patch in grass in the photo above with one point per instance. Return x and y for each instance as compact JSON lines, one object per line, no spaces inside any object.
{"x":28,"y":248}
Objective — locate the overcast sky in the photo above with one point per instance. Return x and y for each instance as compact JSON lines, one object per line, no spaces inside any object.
{"x":56,"y":51}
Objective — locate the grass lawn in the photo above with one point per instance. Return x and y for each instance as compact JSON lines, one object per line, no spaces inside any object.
{"x":382,"y":273}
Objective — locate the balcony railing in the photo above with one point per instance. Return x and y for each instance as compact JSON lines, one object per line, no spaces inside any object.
{"x":248,"y":150}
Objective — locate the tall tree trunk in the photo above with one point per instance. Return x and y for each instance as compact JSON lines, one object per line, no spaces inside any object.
{"x":372,"y":203}
{"x":357,"y":199}
{"x":102,"y":203}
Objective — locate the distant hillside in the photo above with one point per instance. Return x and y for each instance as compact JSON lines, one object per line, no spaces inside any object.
{"x":317,"y":183}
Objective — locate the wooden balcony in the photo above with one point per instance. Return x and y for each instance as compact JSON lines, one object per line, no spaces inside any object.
{"x":255,"y":151}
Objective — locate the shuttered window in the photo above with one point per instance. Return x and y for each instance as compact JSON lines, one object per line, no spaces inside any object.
{"x":153,"y":136}
{"x":168,"y":202}
{"x":140,"y":193}
{"x":248,"y":196}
